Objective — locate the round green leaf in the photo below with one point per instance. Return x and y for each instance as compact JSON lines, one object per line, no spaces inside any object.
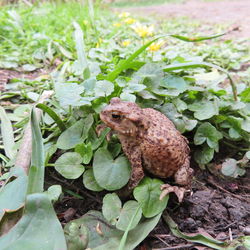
{"x":69,"y":165}
{"x":126,"y":215}
{"x":204,"y":156}
{"x":204,"y":110}
{"x":147,"y":193}
{"x":110,"y":174}
{"x":111,"y":207}
{"x":230,"y":168}
{"x":90,"y":182}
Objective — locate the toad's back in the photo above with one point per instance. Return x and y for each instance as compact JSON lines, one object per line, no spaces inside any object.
{"x":164,"y":149}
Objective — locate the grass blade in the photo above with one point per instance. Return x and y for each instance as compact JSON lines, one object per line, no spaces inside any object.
{"x":36,"y":171}
{"x":125,"y":235}
{"x":53,"y":115}
{"x":198,"y":39}
{"x":80,"y":46}
{"x":7,"y":134}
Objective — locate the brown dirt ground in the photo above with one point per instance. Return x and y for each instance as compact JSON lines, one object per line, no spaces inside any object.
{"x":233,"y":12}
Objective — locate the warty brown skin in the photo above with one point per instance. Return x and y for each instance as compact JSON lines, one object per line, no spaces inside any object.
{"x":149,"y":140}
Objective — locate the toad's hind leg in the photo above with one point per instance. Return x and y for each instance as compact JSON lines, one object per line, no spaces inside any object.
{"x":182,"y":177}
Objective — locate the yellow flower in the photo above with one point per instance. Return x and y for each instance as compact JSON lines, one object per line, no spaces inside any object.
{"x":143,"y":30}
{"x":124,"y":14}
{"x":117,"y":25}
{"x":85,"y":22}
{"x":99,"y":43}
{"x":155,"y":46}
{"x":129,"y":20}
{"x":126,"y":43}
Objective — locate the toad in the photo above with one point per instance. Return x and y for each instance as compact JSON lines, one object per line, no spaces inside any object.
{"x":150,"y":141}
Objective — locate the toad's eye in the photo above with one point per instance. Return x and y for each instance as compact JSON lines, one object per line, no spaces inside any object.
{"x":115,"y":116}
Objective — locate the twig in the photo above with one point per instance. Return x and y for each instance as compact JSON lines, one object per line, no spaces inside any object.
{"x":224,"y":190}
{"x":175,"y":247}
{"x":24,"y":154}
{"x":230,"y":234}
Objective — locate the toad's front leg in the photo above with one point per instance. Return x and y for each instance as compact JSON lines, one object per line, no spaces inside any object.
{"x":134,"y":155}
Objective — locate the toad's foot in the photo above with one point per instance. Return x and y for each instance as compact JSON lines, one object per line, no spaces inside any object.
{"x":166,"y":189}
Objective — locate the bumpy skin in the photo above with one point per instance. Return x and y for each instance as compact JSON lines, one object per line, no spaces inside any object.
{"x":149,"y":140}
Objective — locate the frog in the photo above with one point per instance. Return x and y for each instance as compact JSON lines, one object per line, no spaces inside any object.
{"x":151,"y":143}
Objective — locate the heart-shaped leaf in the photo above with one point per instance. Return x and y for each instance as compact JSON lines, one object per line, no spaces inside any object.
{"x":110,"y":174}
{"x":69,"y":165}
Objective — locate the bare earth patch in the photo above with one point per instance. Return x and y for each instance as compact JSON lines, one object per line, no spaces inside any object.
{"x":233,"y":12}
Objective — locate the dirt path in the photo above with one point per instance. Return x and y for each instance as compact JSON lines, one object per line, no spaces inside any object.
{"x":233,"y":12}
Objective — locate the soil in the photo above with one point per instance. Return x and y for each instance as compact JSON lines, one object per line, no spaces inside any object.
{"x":233,"y":12}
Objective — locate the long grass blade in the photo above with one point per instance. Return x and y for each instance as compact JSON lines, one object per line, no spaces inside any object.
{"x":53,"y":115}
{"x":36,"y":171}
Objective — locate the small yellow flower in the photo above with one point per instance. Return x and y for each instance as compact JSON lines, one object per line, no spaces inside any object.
{"x":143,"y":30}
{"x":129,"y":20}
{"x":124,"y":14}
{"x":126,"y":43}
{"x":155,"y":46}
{"x":99,"y":43}
{"x":117,"y":25}
{"x":85,"y":22}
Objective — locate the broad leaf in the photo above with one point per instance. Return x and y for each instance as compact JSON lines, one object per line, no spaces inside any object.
{"x":36,"y":227}
{"x":147,"y":193}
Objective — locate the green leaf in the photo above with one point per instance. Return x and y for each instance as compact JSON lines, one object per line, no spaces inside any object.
{"x":175,"y":84}
{"x":230,"y":168}
{"x":69,"y":165}
{"x":204,"y":155}
{"x":198,"y":238}
{"x":85,"y":150}
{"x":147,"y":193}
{"x":207,"y":132}
{"x":53,"y":115}
{"x":103,"y":88}
{"x":7,"y":134}
{"x":76,"y":236}
{"x":36,"y":171}
{"x":245,"y":95}
{"x":204,"y":110}
{"x":54,"y":192}
{"x":35,"y":228}
{"x":90,"y":182}
{"x":14,"y":187}
{"x":110,"y":174}
{"x":127,"y":215}
{"x":69,"y":94}
{"x":111,"y":208}
{"x":71,"y":136}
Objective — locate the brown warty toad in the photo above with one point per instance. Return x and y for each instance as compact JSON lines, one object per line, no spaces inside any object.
{"x":150,"y":141}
